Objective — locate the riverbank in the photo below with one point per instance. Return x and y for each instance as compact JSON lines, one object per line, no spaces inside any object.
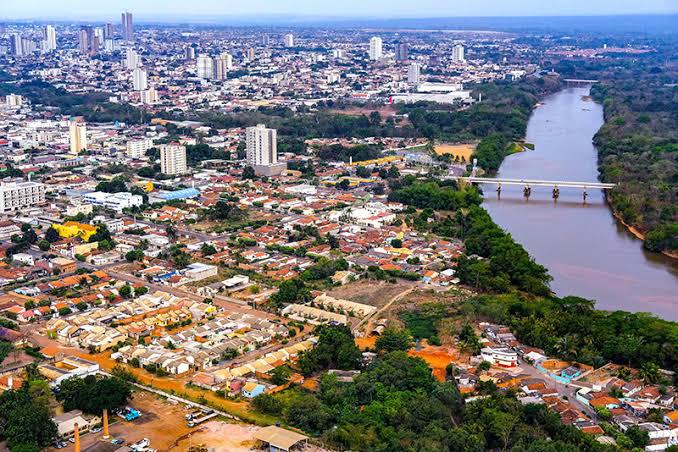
{"x":637,"y":233}
{"x":587,"y":250}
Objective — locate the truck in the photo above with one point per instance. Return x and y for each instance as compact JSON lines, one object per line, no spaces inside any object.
{"x":195,"y":421}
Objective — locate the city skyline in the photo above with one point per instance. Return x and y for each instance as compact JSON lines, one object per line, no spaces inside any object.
{"x":304,"y":9}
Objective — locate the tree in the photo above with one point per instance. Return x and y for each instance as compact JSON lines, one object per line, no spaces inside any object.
{"x":344,"y":184}
{"x":396,"y":243}
{"x":208,"y":249}
{"x":125,"y":291}
{"x":280,"y":375}
{"x":267,"y":403}
{"x":248,"y":173}
{"x":51,"y":235}
{"x":93,"y":395}
{"x":30,"y":237}
{"x":335,"y":349}
{"x":638,"y":436}
{"x":44,"y":245}
{"x":134,"y":255}
{"x":393,"y":339}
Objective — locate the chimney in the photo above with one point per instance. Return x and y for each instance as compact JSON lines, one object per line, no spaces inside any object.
{"x":106,"y":435}
{"x":10,"y":383}
{"x":76,"y":437}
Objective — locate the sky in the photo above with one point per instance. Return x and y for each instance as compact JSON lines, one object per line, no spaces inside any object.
{"x":148,"y":9}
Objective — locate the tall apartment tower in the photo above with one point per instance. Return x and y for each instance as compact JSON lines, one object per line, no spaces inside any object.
{"x":204,"y":67}
{"x":220,"y":66}
{"x":402,"y":51}
{"x":189,"y":53}
{"x":413,"y":73}
{"x":109,"y":31}
{"x":127,"y":26}
{"x":49,"y":38}
{"x":458,"y":54}
{"x":16,"y":46}
{"x":132,"y":59}
{"x":173,"y":159}
{"x":288,"y":40}
{"x":78,"y":136}
{"x":89,"y":41}
{"x":262,"y":150}
{"x":140,"y":79}
{"x":376,"y":48}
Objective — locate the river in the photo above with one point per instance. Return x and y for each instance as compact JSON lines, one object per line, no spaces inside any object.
{"x":586,"y":250}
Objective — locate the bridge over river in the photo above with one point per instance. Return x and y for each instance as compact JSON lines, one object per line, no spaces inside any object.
{"x":527,"y":184}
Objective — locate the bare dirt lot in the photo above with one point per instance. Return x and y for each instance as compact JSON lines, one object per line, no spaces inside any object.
{"x":163,"y":423}
{"x":457,"y":150}
{"x":373,"y":293}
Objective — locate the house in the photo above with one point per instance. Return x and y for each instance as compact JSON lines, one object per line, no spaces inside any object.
{"x":23,"y":258}
{"x":64,"y":265}
{"x":501,"y":356}
{"x":66,"y":423}
{"x":252,"y":389}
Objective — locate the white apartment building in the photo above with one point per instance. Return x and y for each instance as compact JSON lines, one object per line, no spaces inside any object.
{"x":14,"y":100}
{"x":49,"y":38}
{"x":458,"y":54}
{"x":150,"y":96}
{"x":173,"y":159}
{"x":413,"y":73}
{"x":140,"y":79}
{"x":136,"y":149}
{"x":113,"y":201}
{"x":204,"y":67}
{"x":78,"y":136}
{"x":19,"y":195}
{"x":289,"y":40}
{"x":132,"y":59}
{"x":262,"y":150}
{"x":376,"y":48}
{"x":501,"y":356}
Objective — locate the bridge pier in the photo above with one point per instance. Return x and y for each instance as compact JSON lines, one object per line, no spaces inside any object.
{"x":556,"y":193}
{"x":585,"y":195}
{"x":527,"y":191}
{"x":499,"y":191}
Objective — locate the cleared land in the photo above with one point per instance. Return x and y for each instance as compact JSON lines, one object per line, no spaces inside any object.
{"x":464,"y":151}
{"x":373,"y":293}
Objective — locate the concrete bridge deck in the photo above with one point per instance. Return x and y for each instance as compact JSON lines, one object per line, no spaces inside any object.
{"x":537,"y":182}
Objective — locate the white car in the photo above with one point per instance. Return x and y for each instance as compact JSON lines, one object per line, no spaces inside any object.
{"x":141,"y":444}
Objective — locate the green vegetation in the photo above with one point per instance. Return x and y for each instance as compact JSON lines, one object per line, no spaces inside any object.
{"x":396,"y":405}
{"x":572,"y":329}
{"x":25,"y":417}
{"x":93,"y":395}
{"x":493,"y":260}
{"x":638,"y":144}
{"x":335,"y":350}
{"x":94,"y":107}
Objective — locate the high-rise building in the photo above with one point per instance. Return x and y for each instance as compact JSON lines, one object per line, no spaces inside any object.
{"x":78,"y":136}
{"x":376,"y":50}
{"x":229,"y":60}
{"x":132,"y":59}
{"x":262,"y":150}
{"x":140,"y":79}
{"x":402,"y":51}
{"x":204,"y":67}
{"x":127,"y":26}
{"x":189,"y":53}
{"x":250,"y":54}
{"x":220,"y":67}
{"x":173,"y":159}
{"x":109,"y":31}
{"x":49,"y":38}
{"x":458,"y":54}
{"x":21,"y":195}
{"x":15,"y":44}
{"x":413,"y":73}
{"x":14,"y":100}
{"x":289,"y":40}
{"x":265,"y":40}
{"x":88,"y":41}
{"x":136,"y":149}
{"x":150,"y":96}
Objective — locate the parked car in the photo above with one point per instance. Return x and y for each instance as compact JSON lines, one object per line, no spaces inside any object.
{"x":141,"y":444}
{"x":96,"y":429}
{"x":117,"y":441}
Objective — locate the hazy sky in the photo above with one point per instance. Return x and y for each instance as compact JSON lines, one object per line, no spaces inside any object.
{"x":96,"y":9}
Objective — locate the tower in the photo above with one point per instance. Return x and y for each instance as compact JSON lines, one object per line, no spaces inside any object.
{"x":376,"y":51}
